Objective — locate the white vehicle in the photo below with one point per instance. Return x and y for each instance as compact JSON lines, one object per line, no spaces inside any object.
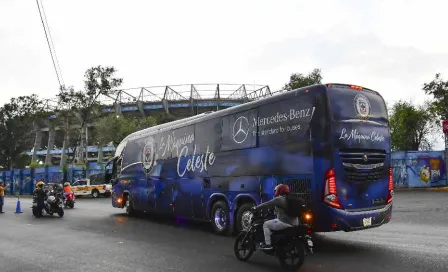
{"x":85,"y":187}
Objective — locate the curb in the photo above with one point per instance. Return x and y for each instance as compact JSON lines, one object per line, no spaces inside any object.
{"x":441,"y":189}
{"x":21,"y":196}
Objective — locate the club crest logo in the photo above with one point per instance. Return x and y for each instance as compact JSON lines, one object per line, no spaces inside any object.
{"x":148,"y":155}
{"x":362,"y":106}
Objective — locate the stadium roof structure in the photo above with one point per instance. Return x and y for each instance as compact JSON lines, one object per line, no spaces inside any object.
{"x":184,"y":92}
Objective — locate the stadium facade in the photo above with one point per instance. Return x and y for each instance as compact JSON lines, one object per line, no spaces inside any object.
{"x":174,"y":101}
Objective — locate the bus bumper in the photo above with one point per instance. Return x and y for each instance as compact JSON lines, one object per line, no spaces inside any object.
{"x":347,"y":220}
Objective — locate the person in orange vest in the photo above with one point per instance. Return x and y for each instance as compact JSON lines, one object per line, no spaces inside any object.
{"x":2,"y":195}
{"x":67,"y":189}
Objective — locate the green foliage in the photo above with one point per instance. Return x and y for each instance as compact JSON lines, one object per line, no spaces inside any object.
{"x":65,"y":168}
{"x":410,"y":127}
{"x":34,"y":164}
{"x":84,"y":104}
{"x":297,"y":80}
{"x":438,"y":89}
{"x":16,"y":129}
{"x":115,"y":128}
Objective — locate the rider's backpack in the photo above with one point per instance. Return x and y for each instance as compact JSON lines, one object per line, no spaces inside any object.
{"x":296,"y":205}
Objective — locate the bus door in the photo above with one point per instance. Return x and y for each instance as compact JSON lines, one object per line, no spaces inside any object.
{"x":183,"y":197}
{"x":200,"y":188}
{"x":163,"y":191}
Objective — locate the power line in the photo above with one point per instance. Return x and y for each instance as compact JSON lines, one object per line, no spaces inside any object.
{"x":51,"y":40}
{"x":49,"y":47}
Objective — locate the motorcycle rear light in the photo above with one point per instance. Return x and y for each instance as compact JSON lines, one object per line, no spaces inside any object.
{"x":330,"y":190}
{"x":308,"y":217}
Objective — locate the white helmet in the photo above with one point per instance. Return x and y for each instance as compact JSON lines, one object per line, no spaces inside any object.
{"x":51,"y":199}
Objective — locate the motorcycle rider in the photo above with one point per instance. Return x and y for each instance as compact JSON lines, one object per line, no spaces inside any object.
{"x":283,"y":220}
{"x":41,"y":194}
{"x":67,"y":189}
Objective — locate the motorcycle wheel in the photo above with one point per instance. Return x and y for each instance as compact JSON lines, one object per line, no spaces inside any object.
{"x":37,"y":213}
{"x":296,"y":256}
{"x":72,"y":205}
{"x":243,"y":249}
{"x":61,"y":212}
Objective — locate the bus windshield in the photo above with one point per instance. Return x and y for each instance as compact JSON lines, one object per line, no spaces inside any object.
{"x":347,"y":104}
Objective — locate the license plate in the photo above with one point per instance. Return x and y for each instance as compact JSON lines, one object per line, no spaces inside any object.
{"x":367,"y":222}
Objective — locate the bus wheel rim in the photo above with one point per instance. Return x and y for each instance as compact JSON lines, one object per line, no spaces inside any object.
{"x":246,"y":219}
{"x":220,"y":219}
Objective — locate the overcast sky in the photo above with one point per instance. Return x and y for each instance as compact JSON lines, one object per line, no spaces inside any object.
{"x":391,"y":46}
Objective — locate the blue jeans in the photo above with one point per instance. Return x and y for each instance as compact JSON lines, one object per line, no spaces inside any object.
{"x":2,"y":200}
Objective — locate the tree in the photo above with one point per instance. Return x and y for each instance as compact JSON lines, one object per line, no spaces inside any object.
{"x":410,"y":127}
{"x":297,"y":80}
{"x":98,"y":81}
{"x":16,"y":129}
{"x":114,"y":129}
{"x":438,"y":89}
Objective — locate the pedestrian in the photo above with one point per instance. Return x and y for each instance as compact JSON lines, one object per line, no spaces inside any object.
{"x":2,"y":195}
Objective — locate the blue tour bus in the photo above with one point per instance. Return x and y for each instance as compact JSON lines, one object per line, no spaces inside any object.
{"x":330,"y":143}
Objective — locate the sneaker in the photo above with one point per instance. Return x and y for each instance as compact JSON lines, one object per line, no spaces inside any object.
{"x":266,"y":247}
{"x":2,"y":212}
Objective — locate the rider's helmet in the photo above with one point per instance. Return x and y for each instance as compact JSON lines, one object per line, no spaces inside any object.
{"x":281,"y":190}
{"x":40,"y":184}
{"x":66,"y":184}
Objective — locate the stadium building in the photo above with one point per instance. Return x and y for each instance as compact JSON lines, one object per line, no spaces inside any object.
{"x":169,"y":102}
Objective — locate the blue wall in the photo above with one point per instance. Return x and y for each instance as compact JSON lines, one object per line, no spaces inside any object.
{"x":413,"y":169}
{"x":417,"y":169}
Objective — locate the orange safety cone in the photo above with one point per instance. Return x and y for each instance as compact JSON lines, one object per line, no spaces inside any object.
{"x":18,"y":207}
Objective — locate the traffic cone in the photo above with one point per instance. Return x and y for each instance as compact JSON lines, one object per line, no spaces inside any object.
{"x":18,"y":208}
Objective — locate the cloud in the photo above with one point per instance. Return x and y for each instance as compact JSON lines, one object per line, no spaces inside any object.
{"x":365,"y":53}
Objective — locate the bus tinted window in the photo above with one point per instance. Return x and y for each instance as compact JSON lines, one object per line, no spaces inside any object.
{"x":207,"y":136}
{"x":284,"y":121}
{"x":238,"y":131}
{"x":347,"y":104}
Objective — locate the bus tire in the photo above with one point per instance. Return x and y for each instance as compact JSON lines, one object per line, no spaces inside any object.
{"x":243,"y":216}
{"x":128,"y":206}
{"x":220,"y":217}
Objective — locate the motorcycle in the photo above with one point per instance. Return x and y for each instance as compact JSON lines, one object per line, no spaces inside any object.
{"x":69,"y":201}
{"x":291,"y":244}
{"x":52,"y":204}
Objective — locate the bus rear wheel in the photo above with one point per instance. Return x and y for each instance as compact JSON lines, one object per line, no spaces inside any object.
{"x":220,"y":218}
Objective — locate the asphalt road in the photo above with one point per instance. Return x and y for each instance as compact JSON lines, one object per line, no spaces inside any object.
{"x":96,"y":237}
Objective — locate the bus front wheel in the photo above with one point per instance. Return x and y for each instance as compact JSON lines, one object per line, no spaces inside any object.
{"x":244,"y":217}
{"x":220,"y":218}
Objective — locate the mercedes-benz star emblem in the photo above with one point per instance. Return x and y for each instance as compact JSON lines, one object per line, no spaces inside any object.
{"x":365,"y":158}
{"x":240,"y":129}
